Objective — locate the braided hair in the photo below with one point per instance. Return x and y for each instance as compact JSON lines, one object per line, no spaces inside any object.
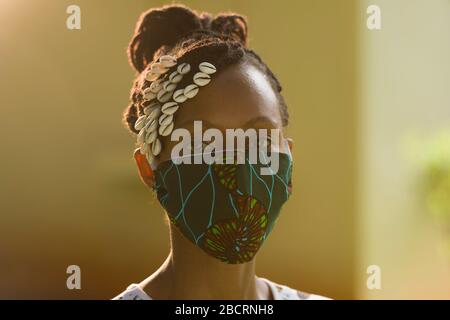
{"x":190,"y":37}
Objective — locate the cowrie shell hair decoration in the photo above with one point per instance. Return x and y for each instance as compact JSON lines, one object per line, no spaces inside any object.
{"x":148,"y":94}
{"x":141,"y":136}
{"x":155,"y":112}
{"x":152,"y":106}
{"x":150,"y":76}
{"x":156,"y":147}
{"x":184,"y":68}
{"x":169,"y":107}
{"x":151,"y":125}
{"x":167,"y":61}
{"x":155,"y":86}
{"x":151,"y":136}
{"x":175,"y":77}
{"x":158,"y":68}
{"x":164,"y":96}
{"x":191,"y":91}
{"x":169,"y":86}
{"x":165,"y":119}
{"x":158,"y":109}
{"x":201,"y":79}
{"x":140,"y":122}
{"x":179,"y":96}
{"x":165,"y":130}
{"x":207,"y":68}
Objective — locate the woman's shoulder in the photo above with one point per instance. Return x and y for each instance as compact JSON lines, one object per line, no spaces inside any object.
{"x":283,"y":292}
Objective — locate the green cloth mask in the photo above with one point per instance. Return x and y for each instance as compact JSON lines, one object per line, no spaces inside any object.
{"x":227,"y":210}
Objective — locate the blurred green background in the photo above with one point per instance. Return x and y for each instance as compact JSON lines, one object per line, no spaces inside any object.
{"x":70,"y":192}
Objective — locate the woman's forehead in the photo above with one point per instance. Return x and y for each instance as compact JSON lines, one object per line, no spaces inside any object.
{"x":232,"y":99}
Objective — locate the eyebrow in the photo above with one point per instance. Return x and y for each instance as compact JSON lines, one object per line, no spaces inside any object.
{"x":260,"y":119}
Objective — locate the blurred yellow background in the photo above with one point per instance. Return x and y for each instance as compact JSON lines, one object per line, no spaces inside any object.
{"x":404,"y":107}
{"x":70,"y":194}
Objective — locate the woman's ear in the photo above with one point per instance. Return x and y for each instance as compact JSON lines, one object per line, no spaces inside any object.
{"x":145,"y":171}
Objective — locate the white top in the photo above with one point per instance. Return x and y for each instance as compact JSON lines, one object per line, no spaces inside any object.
{"x":279,"y":292}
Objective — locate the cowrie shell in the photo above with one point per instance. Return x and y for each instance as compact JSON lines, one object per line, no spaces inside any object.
{"x":151,"y":125}
{"x":169,"y":86}
{"x":179,"y":96}
{"x":148,"y":95}
{"x":164,"y":96}
{"x":166,"y":130}
{"x":191,"y":91}
{"x":201,"y":79}
{"x":151,"y":76}
{"x":141,"y":136}
{"x":156,"y":147}
{"x":184,"y":68}
{"x":148,"y":120}
{"x":158,"y":68}
{"x":146,"y":90}
{"x":169,"y":107}
{"x":140,"y":122}
{"x":165,"y":119}
{"x":155,"y":86}
{"x":150,"y":157}
{"x":144,"y":148}
{"x":151,"y":136}
{"x":175,"y":77}
{"x":207,"y":67}
{"x":148,"y":109}
{"x":168,"y":61}
{"x":154,"y":113}
{"x":155,"y":66}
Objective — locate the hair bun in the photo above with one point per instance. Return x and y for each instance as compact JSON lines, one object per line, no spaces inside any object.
{"x":159,"y":27}
{"x":233,"y":25}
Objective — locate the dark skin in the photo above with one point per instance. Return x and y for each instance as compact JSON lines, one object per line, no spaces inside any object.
{"x":239,"y":97}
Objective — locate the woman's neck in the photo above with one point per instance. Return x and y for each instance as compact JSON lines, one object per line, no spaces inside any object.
{"x":190,"y":273}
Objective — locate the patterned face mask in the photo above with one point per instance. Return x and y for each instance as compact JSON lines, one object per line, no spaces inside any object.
{"x":227,"y":210}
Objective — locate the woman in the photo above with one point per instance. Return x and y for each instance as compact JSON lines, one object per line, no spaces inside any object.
{"x":193,"y":67}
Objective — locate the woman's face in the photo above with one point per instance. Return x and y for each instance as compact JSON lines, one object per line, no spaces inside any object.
{"x":240,"y":97}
